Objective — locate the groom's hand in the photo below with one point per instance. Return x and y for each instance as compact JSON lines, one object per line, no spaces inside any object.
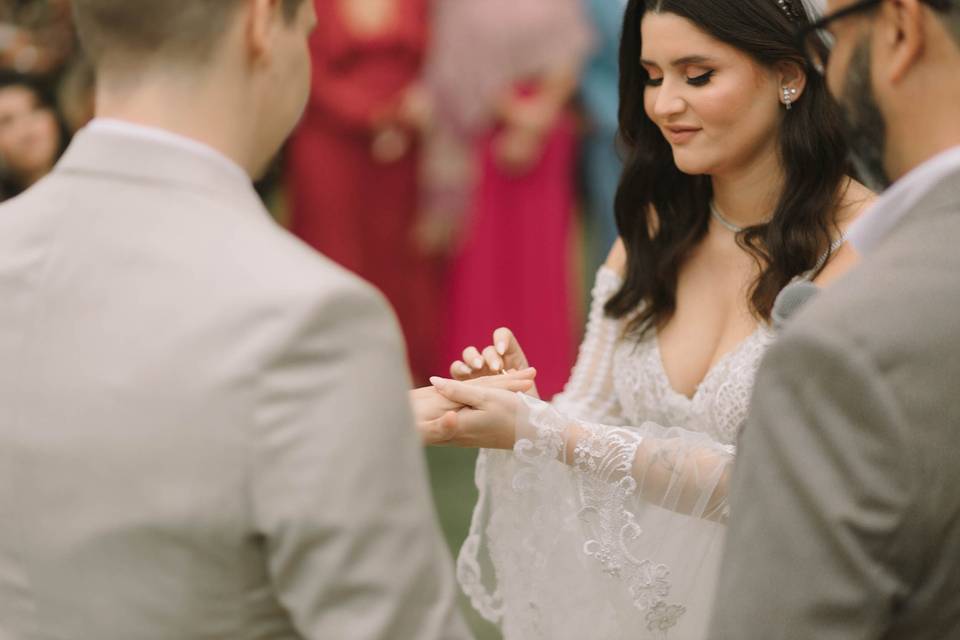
{"x":436,"y":415}
{"x":487,"y":420}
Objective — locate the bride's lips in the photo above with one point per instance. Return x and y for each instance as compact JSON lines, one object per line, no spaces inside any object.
{"x":680,"y":135}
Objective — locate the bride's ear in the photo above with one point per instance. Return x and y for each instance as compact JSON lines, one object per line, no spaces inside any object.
{"x":791,"y":80}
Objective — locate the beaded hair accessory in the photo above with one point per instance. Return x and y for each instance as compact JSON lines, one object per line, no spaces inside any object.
{"x":790,"y":10}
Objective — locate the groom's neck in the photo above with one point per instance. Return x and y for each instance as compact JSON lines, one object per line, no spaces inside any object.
{"x":206,"y":106}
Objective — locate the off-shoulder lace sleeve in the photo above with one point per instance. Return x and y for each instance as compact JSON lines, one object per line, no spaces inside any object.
{"x":589,"y":393}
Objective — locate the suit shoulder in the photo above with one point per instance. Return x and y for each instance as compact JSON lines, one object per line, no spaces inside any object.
{"x":281,"y":266}
{"x":898,"y":306}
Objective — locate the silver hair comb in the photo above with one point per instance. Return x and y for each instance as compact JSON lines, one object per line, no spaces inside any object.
{"x":790,"y":10}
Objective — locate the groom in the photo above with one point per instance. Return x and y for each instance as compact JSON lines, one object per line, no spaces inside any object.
{"x":204,"y":426}
{"x":845,"y":515}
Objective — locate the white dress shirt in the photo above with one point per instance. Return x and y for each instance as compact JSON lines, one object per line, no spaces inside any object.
{"x":156,"y":134}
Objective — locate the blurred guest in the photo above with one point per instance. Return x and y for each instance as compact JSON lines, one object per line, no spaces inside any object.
{"x":503,"y":73}
{"x":31,"y":134}
{"x":353,"y":163}
{"x":36,"y":36}
{"x":599,"y":94}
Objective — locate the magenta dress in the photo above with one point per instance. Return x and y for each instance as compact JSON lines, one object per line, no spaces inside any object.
{"x":514,"y":269}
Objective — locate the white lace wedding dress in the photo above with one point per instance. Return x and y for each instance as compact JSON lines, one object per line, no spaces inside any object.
{"x":606,"y":521}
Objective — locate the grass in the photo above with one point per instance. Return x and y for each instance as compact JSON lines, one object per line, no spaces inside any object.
{"x":451,"y":477}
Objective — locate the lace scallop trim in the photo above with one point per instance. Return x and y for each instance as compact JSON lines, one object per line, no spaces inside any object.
{"x":604,"y":458}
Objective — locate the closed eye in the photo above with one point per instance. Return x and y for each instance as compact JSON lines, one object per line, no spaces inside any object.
{"x":702,"y":79}
{"x":696,"y":81}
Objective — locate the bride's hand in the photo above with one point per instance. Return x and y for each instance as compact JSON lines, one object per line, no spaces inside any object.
{"x":434,"y":413}
{"x":504,"y":354}
{"x":487,"y":420}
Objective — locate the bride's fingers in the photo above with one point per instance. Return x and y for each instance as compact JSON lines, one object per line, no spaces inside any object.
{"x":518,"y":381}
{"x":473,"y":359}
{"x":460,"y":371}
{"x":519,"y":386}
{"x":507,"y":346}
{"x":470,"y":395}
{"x":498,"y":379}
{"x":492,"y":358}
{"x":502,"y":340}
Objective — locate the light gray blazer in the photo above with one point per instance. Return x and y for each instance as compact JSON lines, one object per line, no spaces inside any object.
{"x":204,"y":425}
{"x":845,"y":521}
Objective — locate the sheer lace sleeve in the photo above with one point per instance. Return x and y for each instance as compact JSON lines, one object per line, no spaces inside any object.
{"x":589,"y":393}
{"x":593,"y":528}
{"x":673,"y":468}
{"x":639,"y":507}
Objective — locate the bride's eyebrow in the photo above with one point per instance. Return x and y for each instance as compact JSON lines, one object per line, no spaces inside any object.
{"x":680,"y":62}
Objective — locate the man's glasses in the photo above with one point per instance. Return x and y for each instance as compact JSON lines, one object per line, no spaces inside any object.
{"x":817,"y":41}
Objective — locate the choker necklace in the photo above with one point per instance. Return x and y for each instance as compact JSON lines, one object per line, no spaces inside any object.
{"x":715,"y":212}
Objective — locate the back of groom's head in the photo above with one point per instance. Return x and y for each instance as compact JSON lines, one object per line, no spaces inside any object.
{"x":234,"y":74}
{"x":176,"y":31}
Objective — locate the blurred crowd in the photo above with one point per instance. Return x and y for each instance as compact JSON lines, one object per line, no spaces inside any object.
{"x":46,"y":89}
{"x":459,"y":154}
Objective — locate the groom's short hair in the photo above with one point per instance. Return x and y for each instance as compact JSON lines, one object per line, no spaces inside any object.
{"x":179,"y":30}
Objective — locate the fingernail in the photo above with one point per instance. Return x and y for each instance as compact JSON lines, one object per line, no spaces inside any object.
{"x":478,"y":363}
{"x":502,"y":348}
{"x":438,"y":382}
{"x":497,"y":365}
{"x":464,"y":369}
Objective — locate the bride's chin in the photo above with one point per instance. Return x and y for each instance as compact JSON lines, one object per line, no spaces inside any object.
{"x":691,"y":166}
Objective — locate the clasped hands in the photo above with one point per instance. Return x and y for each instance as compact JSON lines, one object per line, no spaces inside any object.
{"x":478,"y":407}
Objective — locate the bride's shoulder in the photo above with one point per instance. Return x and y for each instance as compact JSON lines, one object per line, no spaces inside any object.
{"x":617,"y":258}
{"x":855,"y":200}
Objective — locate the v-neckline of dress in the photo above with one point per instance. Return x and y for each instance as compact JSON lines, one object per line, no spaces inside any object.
{"x":665,"y":378}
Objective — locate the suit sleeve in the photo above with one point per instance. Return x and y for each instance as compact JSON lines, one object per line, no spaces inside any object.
{"x":820,"y":499}
{"x":340,"y":496}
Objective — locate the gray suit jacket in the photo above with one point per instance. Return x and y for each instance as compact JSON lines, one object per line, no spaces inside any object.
{"x":845,"y":519}
{"x":204,"y":426}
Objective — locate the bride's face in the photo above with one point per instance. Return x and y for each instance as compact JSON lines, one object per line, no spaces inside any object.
{"x":718,"y":108}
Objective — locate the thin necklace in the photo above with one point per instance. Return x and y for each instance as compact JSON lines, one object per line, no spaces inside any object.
{"x":715,"y":212}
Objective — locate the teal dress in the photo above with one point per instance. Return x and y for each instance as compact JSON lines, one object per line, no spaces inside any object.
{"x":599,"y":94}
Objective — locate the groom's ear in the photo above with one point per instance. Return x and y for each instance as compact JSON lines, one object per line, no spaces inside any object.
{"x":262,"y":19}
{"x":901,"y":33}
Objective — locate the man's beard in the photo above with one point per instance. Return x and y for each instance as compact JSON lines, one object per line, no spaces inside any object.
{"x":864,"y":127}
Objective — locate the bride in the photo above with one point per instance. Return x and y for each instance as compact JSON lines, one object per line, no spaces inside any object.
{"x":601,"y":514}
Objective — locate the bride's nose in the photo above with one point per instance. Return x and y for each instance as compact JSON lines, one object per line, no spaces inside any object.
{"x":668,"y":101}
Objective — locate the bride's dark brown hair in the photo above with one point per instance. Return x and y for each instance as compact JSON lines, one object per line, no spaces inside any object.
{"x":812,"y":151}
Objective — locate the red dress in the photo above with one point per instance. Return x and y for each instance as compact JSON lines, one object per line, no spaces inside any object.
{"x":354,"y":209}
